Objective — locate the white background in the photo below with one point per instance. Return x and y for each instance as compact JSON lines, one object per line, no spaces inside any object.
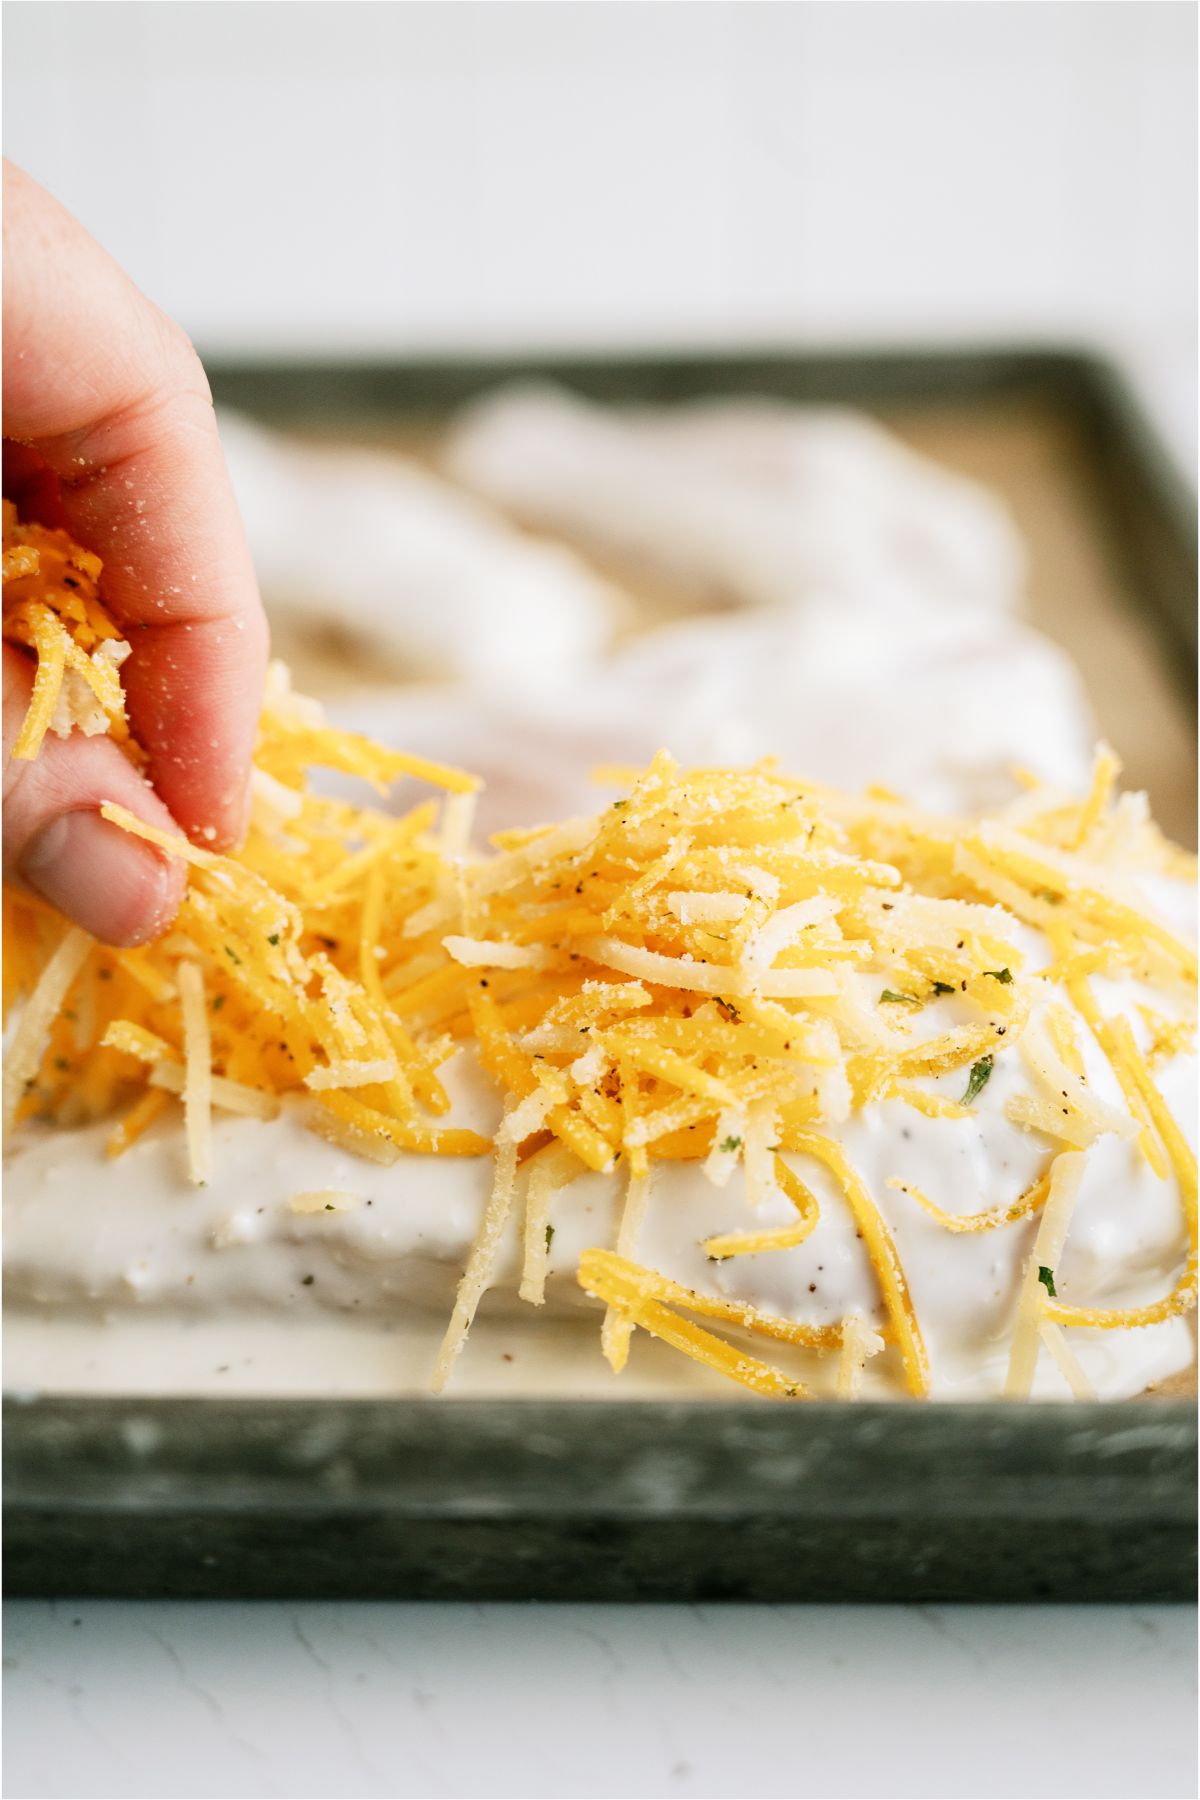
{"x":358,"y":177}
{"x":364,"y":178}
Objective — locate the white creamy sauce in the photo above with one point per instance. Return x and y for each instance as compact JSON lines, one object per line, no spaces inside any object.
{"x":827,"y":692}
{"x":122,"y":1274}
{"x":887,"y":641}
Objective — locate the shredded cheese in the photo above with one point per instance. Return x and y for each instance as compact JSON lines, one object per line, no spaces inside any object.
{"x":226,"y":1095}
{"x":28,"y":1048}
{"x":1183,"y":1161}
{"x":550,"y":1169}
{"x":617,"y":1328}
{"x":478,"y":1271}
{"x":475,"y":953}
{"x":1104,"y":775}
{"x":780,"y":1237}
{"x":882,"y":1250}
{"x":197,"y":1079}
{"x":722,"y":966}
{"x":139,"y":1118}
{"x":1066,"y":1176}
{"x":1031,"y":1201}
{"x":703,"y":978}
{"x":52,"y":607}
{"x":1056,"y":1343}
{"x":347,"y":1073}
{"x":859,"y":1343}
{"x":612,"y":1279}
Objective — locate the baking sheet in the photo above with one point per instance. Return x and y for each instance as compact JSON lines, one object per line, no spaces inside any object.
{"x":471,"y":1500}
{"x":553,"y":1499}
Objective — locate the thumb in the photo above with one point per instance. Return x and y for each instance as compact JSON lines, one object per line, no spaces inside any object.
{"x":117,"y":887}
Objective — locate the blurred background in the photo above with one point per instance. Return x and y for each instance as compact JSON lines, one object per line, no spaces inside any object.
{"x":532,"y":585}
{"x":384,"y":177}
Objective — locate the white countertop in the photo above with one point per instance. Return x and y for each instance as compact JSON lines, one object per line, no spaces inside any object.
{"x":361,"y":1700}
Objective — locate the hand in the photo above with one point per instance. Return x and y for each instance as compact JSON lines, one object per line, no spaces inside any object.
{"x":109,"y":431}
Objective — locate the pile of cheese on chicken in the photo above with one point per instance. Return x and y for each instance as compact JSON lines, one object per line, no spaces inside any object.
{"x":828,"y":1093}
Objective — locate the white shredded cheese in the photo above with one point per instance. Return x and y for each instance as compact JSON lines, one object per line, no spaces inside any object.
{"x":197,"y":1081}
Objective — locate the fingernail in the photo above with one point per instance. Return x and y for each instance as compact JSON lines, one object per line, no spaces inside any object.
{"x":115,"y":887}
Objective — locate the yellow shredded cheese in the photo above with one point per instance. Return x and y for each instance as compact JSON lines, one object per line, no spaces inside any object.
{"x":1031,"y":1201}
{"x":139,"y":1118}
{"x":779,"y":1237}
{"x":1183,"y":1160}
{"x":52,"y":607}
{"x":1104,"y":776}
{"x":882,"y":1250}
{"x":50,"y":640}
{"x":721,"y":967}
{"x":612,"y":1279}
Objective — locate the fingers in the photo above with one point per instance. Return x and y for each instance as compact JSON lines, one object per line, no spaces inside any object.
{"x":55,"y":842}
{"x":110,"y":396}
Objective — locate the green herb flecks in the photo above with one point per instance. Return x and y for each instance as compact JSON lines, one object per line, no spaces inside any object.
{"x":980,"y":1076}
{"x":1046,"y":1277}
{"x":728,"y":1145}
{"x":1001,"y":975}
{"x":892,"y":998}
